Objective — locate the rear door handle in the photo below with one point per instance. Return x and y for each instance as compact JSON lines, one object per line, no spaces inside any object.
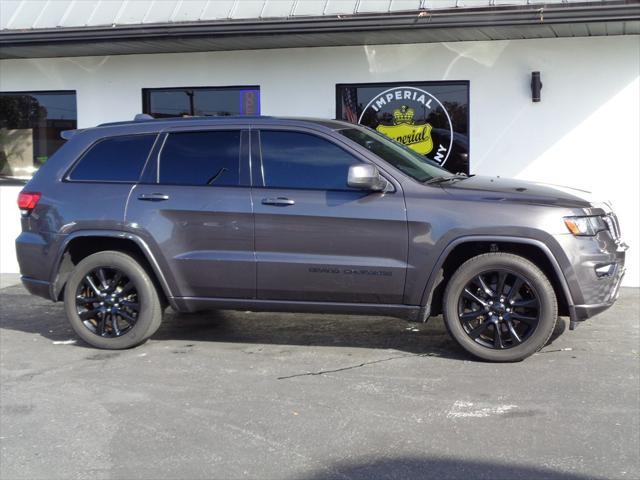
{"x":153,"y":197}
{"x":279,"y":202}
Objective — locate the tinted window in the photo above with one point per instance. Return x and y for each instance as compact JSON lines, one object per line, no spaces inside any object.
{"x":201,"y":158}
{"x":116,"y":159}
{"x":301,"y":160}
{"x":30,"y":126}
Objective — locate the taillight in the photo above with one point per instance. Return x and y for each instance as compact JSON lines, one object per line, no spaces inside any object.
{"x":27,"y":201}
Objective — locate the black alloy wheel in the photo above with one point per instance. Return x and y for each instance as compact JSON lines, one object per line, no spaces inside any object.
{"x":499,"y":309}
{"x":107,"y":302}
{"x":111,"y":300}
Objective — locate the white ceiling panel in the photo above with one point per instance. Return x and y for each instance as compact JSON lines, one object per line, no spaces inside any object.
{"x":33,"y":14}
{"x":131,"y":13}
{"x":105,"y":13}
{"x":162,"y":11}
{"x":374,"y":6}
{"x":190,"y":11}
{"x":7,"y":10}
{"x":26,"y":14}
{"x":404,"y":5}
{"x":310,"y":7}
{"x":78,"y":13}
{"x":279,"y":9}
{"x":340,"y":7}
{"x":248,"y":9}
{"x":218,"y":9}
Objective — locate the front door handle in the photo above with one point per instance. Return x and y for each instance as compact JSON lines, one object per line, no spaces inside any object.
{"x":153,"y":197}
{"x":279,"y":202}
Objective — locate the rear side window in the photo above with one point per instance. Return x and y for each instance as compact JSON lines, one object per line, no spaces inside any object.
{"x":302,"y":160}
{"x":201,"y":158}
{"x":115,"y":159}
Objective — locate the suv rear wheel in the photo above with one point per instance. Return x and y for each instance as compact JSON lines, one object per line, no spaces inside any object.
{"x":500,"y":307}
{"x":111,"y":302}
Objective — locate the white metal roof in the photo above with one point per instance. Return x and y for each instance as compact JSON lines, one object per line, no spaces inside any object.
{"x":37,"y":14}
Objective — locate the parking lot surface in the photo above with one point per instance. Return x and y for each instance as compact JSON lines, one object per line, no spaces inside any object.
{"x":263,"y":395}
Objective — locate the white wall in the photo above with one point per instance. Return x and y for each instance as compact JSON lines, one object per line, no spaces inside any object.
{"x":584,"y":132}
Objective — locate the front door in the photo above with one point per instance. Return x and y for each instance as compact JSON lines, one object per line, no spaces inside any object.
{"x":195,"y":212}
{"x":316,"y":239}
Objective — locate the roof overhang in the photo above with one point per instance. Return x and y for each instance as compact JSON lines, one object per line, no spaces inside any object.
{"x":458,"y":24}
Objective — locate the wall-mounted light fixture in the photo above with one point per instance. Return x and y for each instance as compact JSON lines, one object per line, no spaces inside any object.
{"x":536,"y":86}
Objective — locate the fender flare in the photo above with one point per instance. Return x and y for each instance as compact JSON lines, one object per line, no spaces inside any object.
{"x":144,"y":247}
{"x":429,"y":287}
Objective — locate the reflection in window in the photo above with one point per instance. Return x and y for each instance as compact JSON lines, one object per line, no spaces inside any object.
{"x":201,"y":158}
{"x":431,"y":118}
{"x":115,"y":159}
{"x":301,"y":160}
{"x":201,"y":101}
{"x":30,"y":127}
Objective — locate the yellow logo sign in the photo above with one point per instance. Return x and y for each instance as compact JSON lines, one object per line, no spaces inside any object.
{"x":405,"y":131}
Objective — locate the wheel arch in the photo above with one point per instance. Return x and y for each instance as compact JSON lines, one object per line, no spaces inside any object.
{"x":80,"y":244}
{"x":461,"y":249}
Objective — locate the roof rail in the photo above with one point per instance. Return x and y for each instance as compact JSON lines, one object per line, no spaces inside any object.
{"x":142,"y":117}
{"x":67,"y":134}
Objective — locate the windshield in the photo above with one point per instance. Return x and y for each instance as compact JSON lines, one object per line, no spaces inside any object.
{"x":401,"y":157}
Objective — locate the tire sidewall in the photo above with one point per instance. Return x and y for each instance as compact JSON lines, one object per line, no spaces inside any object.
{"x":517,"y":265}
{"x":147,"y":298}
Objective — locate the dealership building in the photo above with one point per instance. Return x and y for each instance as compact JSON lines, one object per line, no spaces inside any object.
{"x":541,"y":91}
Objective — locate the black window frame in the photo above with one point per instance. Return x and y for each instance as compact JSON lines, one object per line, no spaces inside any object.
{"x":258,"y":166}
{"x":23,"y":181}
{"x":415,"y":84}
{"x":151,"y":173}
{"x":67,"y":176}
{"x":146,"y":95}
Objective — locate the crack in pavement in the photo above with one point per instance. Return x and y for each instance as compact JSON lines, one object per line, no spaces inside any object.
{"x":322,"y":372}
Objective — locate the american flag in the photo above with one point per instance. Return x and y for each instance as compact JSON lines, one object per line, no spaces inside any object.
{"x":349,"y":105}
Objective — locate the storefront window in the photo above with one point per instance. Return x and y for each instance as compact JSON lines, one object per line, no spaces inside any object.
{"x":431,"y":118}
{"x":201,"y":101}
{"x":30,"y":127}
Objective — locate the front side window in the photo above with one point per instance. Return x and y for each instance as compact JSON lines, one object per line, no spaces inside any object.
{"x":201,"y":101}
{"x":394,"y":153}
{"x":30,"y":127}
{"x":201,"y":158}
{"x":302,"y":160}
{"x":115,"y":159}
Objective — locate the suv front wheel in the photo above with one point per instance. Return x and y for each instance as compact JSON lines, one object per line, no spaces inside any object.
{"x":500,"y":307}
{"x":111,"y":302}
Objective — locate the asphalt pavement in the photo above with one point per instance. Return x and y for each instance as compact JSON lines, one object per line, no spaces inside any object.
{"x":261,"y":395}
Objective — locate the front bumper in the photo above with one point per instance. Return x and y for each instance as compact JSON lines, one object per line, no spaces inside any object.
{"x":579,"y":313}
{"x":592,"y":291}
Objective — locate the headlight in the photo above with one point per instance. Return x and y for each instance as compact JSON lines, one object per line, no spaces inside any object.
{"x":585,"y":226}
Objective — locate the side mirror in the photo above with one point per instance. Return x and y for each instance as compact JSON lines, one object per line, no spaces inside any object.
{"x":366,"y":177}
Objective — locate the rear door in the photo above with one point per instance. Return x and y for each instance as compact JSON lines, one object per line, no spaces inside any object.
{"x":194,"y":210}
{"x":316,"y":239}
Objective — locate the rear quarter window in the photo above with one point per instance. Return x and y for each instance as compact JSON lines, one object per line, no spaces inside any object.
{"x":115,"y":159}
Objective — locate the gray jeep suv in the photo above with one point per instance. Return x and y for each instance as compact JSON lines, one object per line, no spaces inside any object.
{"x":305,"y":215}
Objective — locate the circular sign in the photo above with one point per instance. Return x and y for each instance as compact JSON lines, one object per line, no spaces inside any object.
{"x":413,"y":117}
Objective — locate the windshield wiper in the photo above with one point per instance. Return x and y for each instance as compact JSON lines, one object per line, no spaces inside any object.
{"x":443,"y":179}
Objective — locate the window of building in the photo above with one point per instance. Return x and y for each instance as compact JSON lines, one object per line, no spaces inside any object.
{"x":30,"y":127}
{"x":431,"y":118}
{"x":201,"y":158}
{"x":301,"y":160}
{"x":201,"y":101}
{"x":115,"y":159}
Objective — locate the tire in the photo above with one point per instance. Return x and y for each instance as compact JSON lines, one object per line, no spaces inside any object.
{"x":100,"y":326}
{"x":493,"y":324}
